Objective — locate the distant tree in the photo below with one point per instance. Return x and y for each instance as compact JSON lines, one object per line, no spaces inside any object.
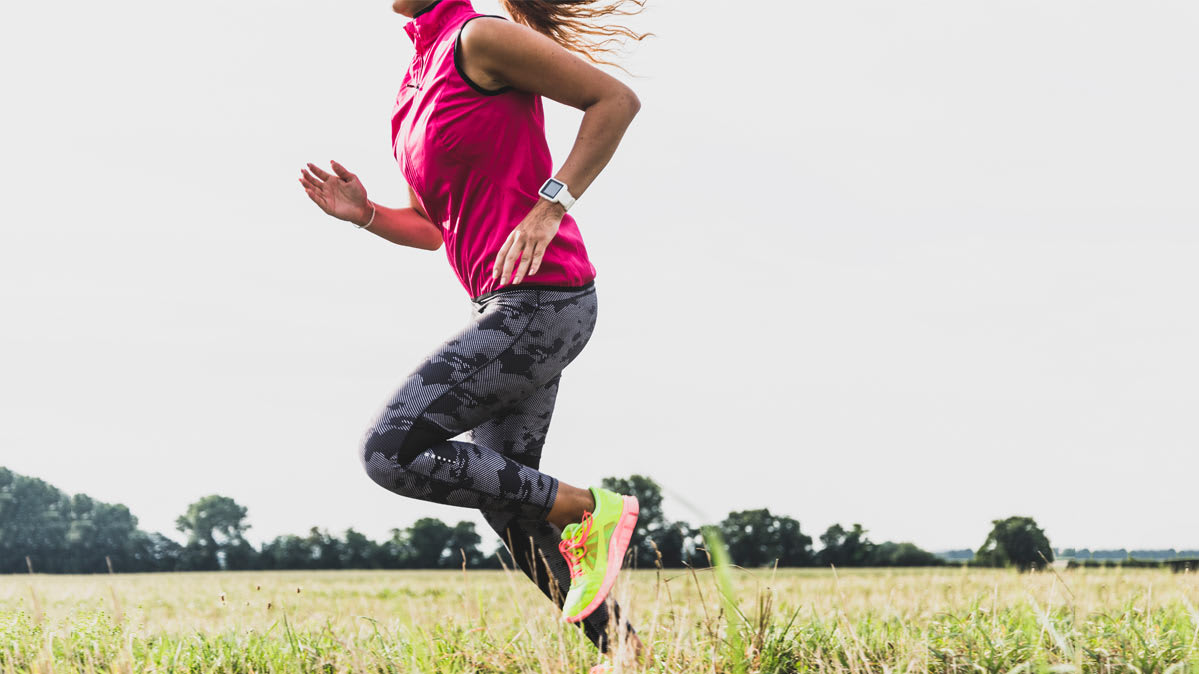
{"x":648,"y":493}
{"x":846,"y":548}
{"x":903,"y":554}
{"x":673,"y":540}
{"x":792,"y":547}
{"x":745,"y":535}
{"x":195,"y":556}
{"x":758,"y":538}
{"x":426,"y":539}
{"x":428,"y":544}
{"x":679,"y":544}
{"x":463,"y":545}
{"x":99,"y":533}
{"x":359,"y":552}
{"x":395,"y":552}
{"x":286,"y":552}
{"x":1015,"y":541}
{"x":155,"y":552}
{"x":650,"y":519}
{"x":240,"y":556}
{"x":324,"y":549}
{"x":34,"y":519}
{"x":212,"y":524}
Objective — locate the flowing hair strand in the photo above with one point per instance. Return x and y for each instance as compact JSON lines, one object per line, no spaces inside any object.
{"x":571,"y":23}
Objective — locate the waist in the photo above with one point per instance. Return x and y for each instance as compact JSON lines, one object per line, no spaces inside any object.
{"x":472,"y":254}
{"x":532,"y":287}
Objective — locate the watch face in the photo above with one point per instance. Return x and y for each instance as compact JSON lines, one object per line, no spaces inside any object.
{"x":551,"y":188}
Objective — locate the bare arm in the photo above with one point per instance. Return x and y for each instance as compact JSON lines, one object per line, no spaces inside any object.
{"x":406,"y":226}
{"x":502,"y":53}
{"x":343,"y":196}
{"x":505,"y":53}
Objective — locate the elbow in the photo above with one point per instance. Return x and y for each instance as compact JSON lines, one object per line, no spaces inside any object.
{"x":619,"y":100}
{"x":434,"y":242}
{"x":430,"y":237}
{"x":630,"y":102}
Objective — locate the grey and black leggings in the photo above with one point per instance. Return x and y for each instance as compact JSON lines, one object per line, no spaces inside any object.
{"x":497,"y":379}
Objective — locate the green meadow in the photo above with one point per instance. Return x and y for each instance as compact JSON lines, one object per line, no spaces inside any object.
{"x":899,"y":620}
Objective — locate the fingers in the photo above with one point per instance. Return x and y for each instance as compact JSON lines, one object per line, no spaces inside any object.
{"x":308,"y":181}
{"x":318,"y":172}
{"x":317,"y":197}
{"x":521,"y":254}
{"x":510,"y":263}
{"x":503,"y":255}
{"x":341,"y":171}
{"x":538,"y":253}
{"x":511,"y":257}
{"x":522,"y":266}
{"x":526,"y":259}
{"x":322,"y":176}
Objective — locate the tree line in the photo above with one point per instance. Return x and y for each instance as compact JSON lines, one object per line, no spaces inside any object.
{"x":45,"y":530}
{"x":1123,"y":554}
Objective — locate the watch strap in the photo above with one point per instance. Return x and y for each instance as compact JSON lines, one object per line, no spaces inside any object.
{"x":565,"y":198}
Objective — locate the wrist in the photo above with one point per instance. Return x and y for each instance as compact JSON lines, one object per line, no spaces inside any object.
{"x":367,"y":216}
{"x":555,"y":191}
{"x":552,"y":207}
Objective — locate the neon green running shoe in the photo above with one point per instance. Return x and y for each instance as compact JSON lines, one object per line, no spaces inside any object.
{"x":594,"y":549}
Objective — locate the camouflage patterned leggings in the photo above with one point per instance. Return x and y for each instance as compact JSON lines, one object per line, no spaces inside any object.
{"x":498,"y":379}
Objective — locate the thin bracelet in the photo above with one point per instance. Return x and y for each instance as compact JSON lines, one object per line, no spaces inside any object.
{"x":372,"y":220}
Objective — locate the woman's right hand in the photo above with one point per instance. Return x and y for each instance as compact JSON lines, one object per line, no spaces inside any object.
{"x":341,"y":195}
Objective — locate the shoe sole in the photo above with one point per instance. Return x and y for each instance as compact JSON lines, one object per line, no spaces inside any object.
{"x":629,"y":511}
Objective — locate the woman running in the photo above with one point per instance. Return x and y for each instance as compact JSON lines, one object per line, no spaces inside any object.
{"x":468,"y":133}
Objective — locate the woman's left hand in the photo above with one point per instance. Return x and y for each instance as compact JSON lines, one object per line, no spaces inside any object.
{"x":526,"y":244}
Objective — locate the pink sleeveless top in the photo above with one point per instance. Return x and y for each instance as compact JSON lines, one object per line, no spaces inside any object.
{"x":475,"y":158}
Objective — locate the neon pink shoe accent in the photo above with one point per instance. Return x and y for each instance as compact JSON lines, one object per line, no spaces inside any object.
{"x":574,"y":547}
{"x":616,"y":549}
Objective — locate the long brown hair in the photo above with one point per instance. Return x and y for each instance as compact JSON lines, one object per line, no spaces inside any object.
{"x":570,"y":23}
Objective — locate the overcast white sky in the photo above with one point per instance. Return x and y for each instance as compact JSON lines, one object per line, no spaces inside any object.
{"x":916,"y":265}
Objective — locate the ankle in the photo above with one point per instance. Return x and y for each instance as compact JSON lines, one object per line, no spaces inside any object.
{"x":570,"y":505}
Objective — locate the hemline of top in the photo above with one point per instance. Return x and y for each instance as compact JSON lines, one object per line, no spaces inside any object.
{"x":509,"y":288}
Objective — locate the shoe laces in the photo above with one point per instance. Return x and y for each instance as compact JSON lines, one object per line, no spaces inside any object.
{"x":575,"y":547}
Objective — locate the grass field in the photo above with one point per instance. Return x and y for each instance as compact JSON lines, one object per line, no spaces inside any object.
{"x":946,"y":620}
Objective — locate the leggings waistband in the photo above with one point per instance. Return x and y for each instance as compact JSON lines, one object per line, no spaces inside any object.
{"x":515,"y":288}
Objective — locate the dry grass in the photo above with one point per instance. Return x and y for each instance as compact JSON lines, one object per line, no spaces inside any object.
{"x":942,"y":620}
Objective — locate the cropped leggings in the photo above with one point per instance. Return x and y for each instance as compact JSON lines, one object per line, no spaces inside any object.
{"x":496,"y":379}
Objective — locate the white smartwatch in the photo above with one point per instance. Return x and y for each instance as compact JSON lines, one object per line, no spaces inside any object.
{"x":555,"y":191}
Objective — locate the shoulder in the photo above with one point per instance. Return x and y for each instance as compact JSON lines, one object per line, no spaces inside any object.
{"x":488,"y":35}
